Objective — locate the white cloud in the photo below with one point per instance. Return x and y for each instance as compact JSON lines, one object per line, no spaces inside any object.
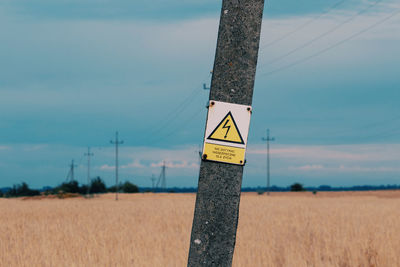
{"x":333,"y":164}
{"x":107,"y":167}
{"x":144,"y":161}
{"x":134,"y":164}
{"x":366,"y":169}
{"x":343,"y":168}
{"x":32,"y":148}
{"x":308,"y":167}
{"x":176,"y":165}
{"x":363,"y":152}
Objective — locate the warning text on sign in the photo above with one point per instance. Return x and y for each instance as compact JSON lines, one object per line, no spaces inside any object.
{"x":225,"y":154}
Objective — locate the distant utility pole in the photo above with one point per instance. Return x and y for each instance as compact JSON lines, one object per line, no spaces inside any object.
{"x":116,"y":142}
{"x":153,"y":180}
{"x":205,"y":87}
{"x":200,"y":153}
{"x":162,"y":179}
{"x":70,"y":176}
{"x":216,"y":214}
{"x":88,"y":155}
{"x":268,"y":139}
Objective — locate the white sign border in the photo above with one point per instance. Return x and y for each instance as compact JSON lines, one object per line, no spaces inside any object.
{"x":217,"y":110}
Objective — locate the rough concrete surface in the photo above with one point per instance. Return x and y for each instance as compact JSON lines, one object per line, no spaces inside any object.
{"x":217,"y":204}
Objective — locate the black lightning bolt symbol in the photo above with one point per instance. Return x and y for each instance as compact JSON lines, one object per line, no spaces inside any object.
{"x":226,"y":127}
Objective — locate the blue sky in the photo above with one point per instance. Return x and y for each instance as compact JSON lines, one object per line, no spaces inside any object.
{"x":74,"y":72}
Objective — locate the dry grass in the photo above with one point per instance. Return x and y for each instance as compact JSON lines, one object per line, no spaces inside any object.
{"x":286,"y":229}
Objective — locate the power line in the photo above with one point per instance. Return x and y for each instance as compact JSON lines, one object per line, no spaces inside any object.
{"x":383,"y":134}
{"x":176,"y":129}
{"x":150,"y":136}
{"x":81,"y":159}
{"x":375,"y":124}
{"x":330,"y":47}
{"x":322,"y":35}
{"x":337,"y":4}
{"x":171,"y":116}
{"x":344,"y":134}
{"x":175,"y":114}
{"x":368,"y":126}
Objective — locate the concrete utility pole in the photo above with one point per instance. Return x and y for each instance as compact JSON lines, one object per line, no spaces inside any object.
{"x":88,"y":154}
{"x":217,"y":203}
{"x":268,"y":139}
{"x":116,"y":142}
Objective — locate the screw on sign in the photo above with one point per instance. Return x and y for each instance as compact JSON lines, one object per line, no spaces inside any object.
{"x":217,"y":203}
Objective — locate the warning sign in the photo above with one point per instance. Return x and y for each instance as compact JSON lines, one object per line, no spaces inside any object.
{"x":226,"y":132}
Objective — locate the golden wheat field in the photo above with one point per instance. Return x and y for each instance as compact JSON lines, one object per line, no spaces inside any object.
{"x":284,"y":229}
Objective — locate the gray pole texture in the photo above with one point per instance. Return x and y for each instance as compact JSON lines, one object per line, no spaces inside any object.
{"x":217,"y":204}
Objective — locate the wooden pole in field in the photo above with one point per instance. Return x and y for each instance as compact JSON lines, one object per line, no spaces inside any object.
{"x":217,"y":204}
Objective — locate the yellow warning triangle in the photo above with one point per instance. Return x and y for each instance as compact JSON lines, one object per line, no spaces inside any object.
{"x":227,"y":131}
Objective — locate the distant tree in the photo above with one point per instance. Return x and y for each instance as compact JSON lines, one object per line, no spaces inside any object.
{"x":83,"y":189}
{"x":113,"y":188}
{"x":22,"y":190}
{"x":1,"y":194}
{"x":97,"y":186}
{"x":297,"y":187}
{"x":128,"y":187}
{"x":69,"y":187}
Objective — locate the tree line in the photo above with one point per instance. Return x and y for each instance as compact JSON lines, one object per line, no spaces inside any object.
{"x":96,"y":186}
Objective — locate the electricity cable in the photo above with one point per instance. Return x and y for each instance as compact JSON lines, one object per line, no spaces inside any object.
{"x":302,"y":26}
{"x":184,"y":123}
{"x":300,"y":61}
{"x":322,"y":35}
